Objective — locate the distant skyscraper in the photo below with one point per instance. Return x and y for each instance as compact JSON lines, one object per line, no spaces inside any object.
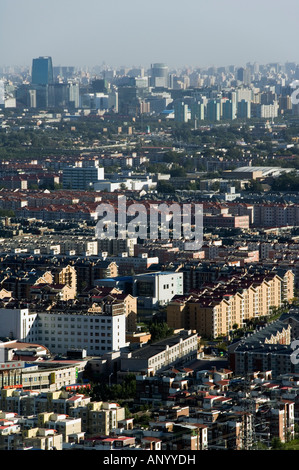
{"x":244,"y":109}
{"x":180,"y":111}
{"x":228,"y":110}
{"x":74,"y":94}
{"x":64,"y":72}
{"x":2,"y":93}
{"x":42,"y":71}
{"x":159,"y":75}
{"x":244,"y":76}
{"x":197,"y":111}
{"x":213,"y":110}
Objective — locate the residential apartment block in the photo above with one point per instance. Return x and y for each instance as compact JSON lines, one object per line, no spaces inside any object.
{"x":214,"y":309}
{"x":177,"y":349}
{"x":99,"y":418}
{"x":276,"y":215}
{"x":226,"y":220}
{"x":268,"y":349}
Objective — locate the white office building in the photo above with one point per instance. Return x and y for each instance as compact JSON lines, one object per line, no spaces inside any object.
{"x":81,"y":177}
{"x":157,"y":288}
{"x":129,"y":183}
{"x":97,"y":333}
{"x":17,"y":323}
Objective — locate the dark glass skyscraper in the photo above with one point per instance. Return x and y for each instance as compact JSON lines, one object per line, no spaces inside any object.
{"x":42,"y":71}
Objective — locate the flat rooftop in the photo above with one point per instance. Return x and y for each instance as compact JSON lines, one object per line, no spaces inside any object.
{"x":151,"y":350}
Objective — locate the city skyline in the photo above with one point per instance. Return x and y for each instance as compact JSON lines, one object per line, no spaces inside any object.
{"x":149,"y":222}
{"x":196,"y":34}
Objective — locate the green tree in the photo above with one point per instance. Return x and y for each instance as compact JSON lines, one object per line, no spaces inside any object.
{"x":276,"y":443}
{"x":165,"y":187}
{"x":178,"y":171}
{"x":105,"y":392}
{"x":286,"y":182}
{"x":159,"y":331}
{"x":255,"y":187}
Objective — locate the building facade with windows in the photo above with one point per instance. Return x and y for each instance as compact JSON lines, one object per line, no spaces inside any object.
{"x":177,"y":349}
{"x":157,"y":288}
{"x":96,"y":332}
{"x":42,"y":71}
{"x":99,"y":330}
{"x":214,"y":310}
{"x":81,"y":177}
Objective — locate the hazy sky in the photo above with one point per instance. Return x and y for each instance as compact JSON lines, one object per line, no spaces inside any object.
{"x":138,"y":32}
